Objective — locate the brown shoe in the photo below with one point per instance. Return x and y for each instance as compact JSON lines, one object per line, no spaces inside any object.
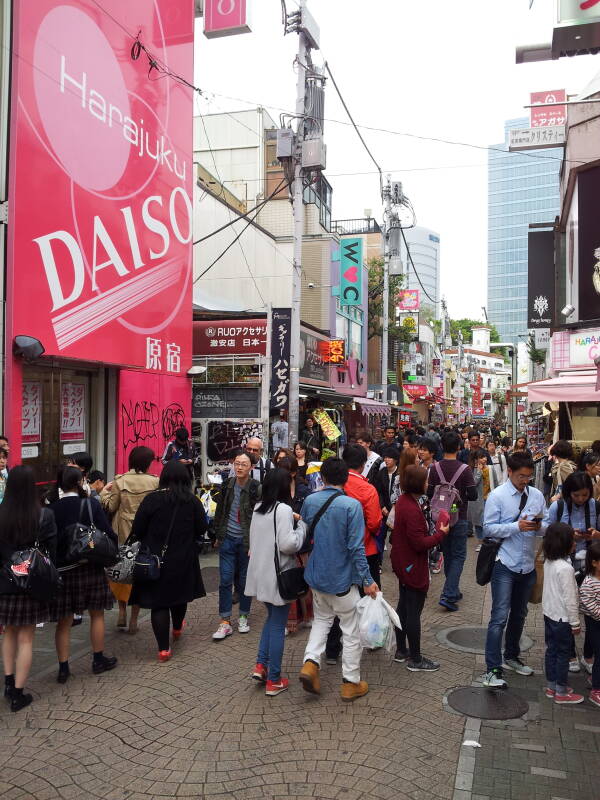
{"x":309,"y":678}
{"x":352,"y":691}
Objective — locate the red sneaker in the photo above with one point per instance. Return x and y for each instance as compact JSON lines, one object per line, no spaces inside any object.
{"x":164,"y":655}
{"x":177,"y":633}
{"x":595,"y":697}
{"x":551,"y":693}
{"x":568,"y":699}
{"x":276,"y":687}
{"x":260,"y":673}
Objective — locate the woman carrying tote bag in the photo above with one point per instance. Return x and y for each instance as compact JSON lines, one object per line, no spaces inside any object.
{"x":272,"y":526}
{"x":22,"y":525}
{"x":169,"y":524}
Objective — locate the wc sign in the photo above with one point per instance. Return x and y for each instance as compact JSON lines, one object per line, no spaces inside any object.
{"x":351,"y":261}
{"x":225,"y":18}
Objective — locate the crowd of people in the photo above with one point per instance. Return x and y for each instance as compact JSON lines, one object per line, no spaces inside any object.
{"x":307,"y":539}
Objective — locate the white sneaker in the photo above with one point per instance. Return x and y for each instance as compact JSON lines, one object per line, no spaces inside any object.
{"x":223,"y":631}
{"x":494,"y":680}
{"x":587,"y":667}
{"x":574,"y":666}
{"x":516,"y":665}
{"x":243,"y":626}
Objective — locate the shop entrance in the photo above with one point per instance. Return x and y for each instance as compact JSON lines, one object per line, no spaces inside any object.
{"x":58,"y":407}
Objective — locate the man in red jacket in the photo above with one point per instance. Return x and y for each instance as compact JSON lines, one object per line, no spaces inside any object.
{"x":358,"y":487}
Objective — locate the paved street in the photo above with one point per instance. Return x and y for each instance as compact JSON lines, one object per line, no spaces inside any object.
{"x":199,"y":727}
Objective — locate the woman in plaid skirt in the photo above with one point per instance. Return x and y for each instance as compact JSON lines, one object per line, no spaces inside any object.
{"x":85,"y":587}
{"x":22,"y":524}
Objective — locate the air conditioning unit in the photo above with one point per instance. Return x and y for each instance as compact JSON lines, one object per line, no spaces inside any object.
{"x":314,"y":154}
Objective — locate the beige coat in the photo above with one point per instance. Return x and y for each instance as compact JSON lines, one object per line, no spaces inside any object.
{"x":124,"y":498}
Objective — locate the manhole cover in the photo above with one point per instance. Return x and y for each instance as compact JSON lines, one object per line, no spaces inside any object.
{"x":473,"y":701}
{"x":471,"y":639}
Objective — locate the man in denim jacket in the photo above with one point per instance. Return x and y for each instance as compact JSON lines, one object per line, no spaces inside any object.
{"x":337,"y":566}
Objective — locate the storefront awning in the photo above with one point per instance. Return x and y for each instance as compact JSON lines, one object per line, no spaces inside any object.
{"x":574,"y":387}
{"x":372,"y":406}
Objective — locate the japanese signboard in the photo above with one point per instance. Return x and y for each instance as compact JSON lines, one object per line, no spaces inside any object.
{"x":72,"y":412}
{"x":589,"y":244}
{"x":351,"y":261}
{"x":313,"y":366}
{"x":31,"y":419}
{"x":536,"y":138}
{"x":229,"y":337}
{"x":584,"y":347}
{"x":540,"y":279}
{"x":416,"y":390}
{"x":225,"y":18}
{"x":334,"y":351}
{"x":410,"y":322}
{"x":280,"y":359}
{"x":553,"y":114}
{"x":542,"y":338}
{"x":109,"y":258}
{"x":328,"y":426}
{"x":408,"y":300}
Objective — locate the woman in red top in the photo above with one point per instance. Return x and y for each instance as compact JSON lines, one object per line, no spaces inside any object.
{"x":411,"y":543}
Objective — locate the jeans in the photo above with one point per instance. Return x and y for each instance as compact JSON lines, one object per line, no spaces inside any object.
{"x":410,"y":606}
{"x":334,"y":638}
{"x":326,"y":608}
{"x":592,"y":628}
{"x":510,"y":595}
{"x":272,"y":639}
{"x":233,"y":567}
{"x":454,"y":548}
{"x":558,"y":648}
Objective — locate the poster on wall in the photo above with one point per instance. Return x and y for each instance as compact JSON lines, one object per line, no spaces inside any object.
{"x":31,"y":414}
{"x":109,"y":258}
{"x":72,"y":412}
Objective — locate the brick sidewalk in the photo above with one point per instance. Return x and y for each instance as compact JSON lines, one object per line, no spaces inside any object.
{"x":199,"y":727}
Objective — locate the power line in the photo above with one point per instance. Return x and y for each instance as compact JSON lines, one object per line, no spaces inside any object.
{"x":425,"y":292}
{"x":231,"y":222}
{"x":237,"y":238}
{"x":354,"y":125}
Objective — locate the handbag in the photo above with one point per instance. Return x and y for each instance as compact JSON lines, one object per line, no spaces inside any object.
{"x":87,"y":543}
{"x":290,"y":582}
{"x":122,"y":571}
{"x":147,"y":566}
{"x":486,"y":558}
{"x":32,"y":572}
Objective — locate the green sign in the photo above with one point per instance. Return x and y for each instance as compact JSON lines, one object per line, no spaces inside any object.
{"x":351,"y":262}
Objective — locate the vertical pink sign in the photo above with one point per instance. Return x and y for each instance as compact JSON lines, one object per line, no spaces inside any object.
{"x":225,"y":18}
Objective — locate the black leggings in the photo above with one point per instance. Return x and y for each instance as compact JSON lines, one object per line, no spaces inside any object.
{"x":410,"y":606}
{"x":161,"y":618}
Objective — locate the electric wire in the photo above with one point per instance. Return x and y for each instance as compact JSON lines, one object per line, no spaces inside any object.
{"x":425,"y":292}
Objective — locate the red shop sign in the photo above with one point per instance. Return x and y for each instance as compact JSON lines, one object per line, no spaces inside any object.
{"x":225,"y":17}
{"x":100,"y":182}
{"x":230,"y":337}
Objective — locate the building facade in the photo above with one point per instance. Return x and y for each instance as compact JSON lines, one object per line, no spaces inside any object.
{"x":523,"y":188}
{"x":424,"y":246}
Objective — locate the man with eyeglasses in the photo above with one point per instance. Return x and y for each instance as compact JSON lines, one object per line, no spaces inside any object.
{"x":233,"y":515}
{"x":515,"y":513}
{"x":254,"y":447}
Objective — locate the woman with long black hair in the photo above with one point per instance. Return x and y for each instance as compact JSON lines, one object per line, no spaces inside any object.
{"x":172,"y":517}
{"x":22,"y":524}
{"x":272,"y":527}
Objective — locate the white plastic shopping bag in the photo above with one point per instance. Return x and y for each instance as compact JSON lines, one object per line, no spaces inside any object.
{"x":377,"y":620}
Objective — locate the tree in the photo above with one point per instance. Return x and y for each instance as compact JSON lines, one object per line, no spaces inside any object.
{"x":395,"y":331}
{"x":537,"y":356}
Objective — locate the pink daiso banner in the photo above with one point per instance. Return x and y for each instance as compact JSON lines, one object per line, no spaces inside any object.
{"x":99,"y":250}
{"x":408,"y":300}
{"x":225,"y":18}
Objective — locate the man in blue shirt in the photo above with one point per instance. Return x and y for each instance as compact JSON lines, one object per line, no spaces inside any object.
{"x":335,"y":569}
{"x":514,"y":513}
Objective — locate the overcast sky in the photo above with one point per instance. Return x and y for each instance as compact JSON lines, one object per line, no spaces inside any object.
{"x":433,"y":68}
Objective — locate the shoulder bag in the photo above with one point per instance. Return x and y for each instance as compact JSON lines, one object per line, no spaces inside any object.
{"x":86,"y":543}
{"x":290,"y":582}
{"x":122,"y":571}
{"x":486,"y":558}
{"x":30,"y":571}
{"x":147,"y":566}
{"x":309,"y":540}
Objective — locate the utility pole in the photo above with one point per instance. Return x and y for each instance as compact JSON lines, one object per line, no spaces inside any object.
{"x":387,"y":194}
{"x":294,"y":408}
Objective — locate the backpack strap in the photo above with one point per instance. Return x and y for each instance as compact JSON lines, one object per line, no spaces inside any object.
{"x":457,"y":474}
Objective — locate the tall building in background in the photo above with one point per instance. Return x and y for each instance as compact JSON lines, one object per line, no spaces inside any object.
{"x":522,"y":188}
{"x":424,"y":247}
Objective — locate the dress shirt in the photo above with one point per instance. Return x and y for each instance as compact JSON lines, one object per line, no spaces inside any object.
{"x":501,"y":521}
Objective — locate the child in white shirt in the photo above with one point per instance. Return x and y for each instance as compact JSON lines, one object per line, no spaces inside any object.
{"x":560,"y":604}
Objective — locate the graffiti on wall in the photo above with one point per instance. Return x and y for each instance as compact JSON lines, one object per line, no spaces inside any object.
{"x":225,"y":435}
